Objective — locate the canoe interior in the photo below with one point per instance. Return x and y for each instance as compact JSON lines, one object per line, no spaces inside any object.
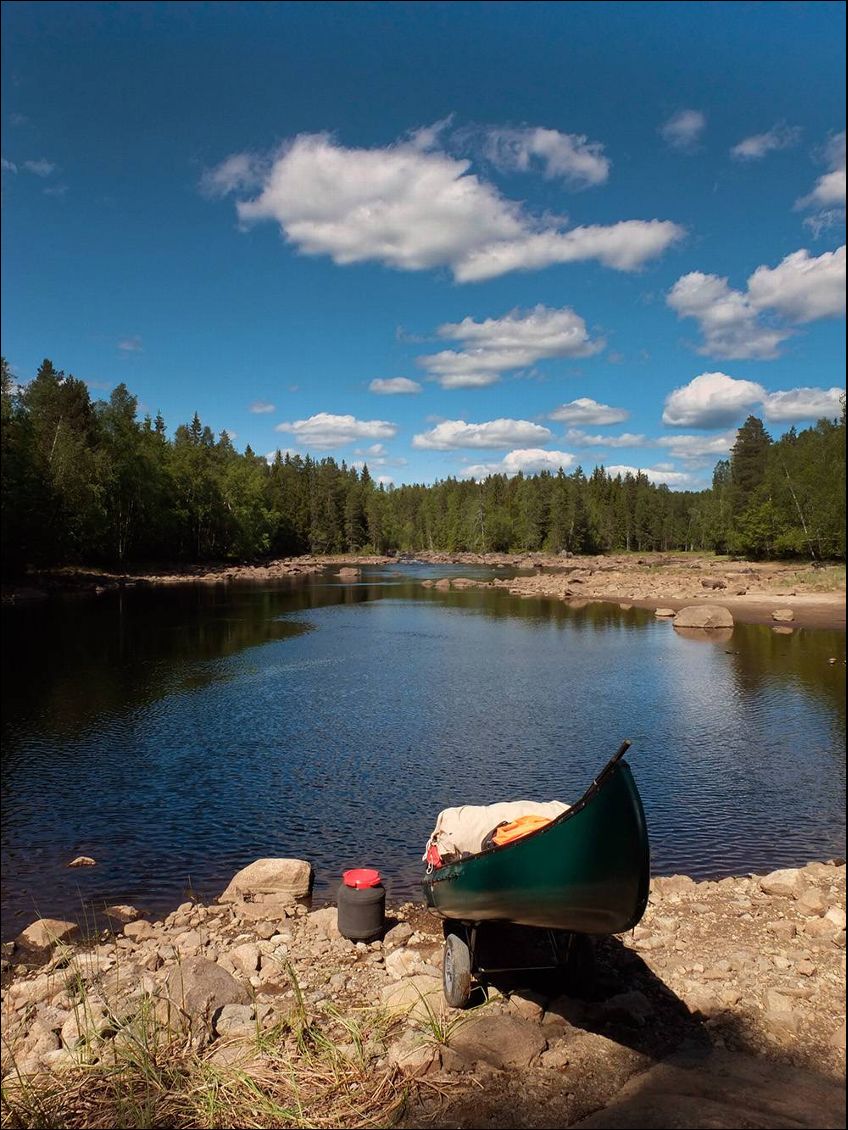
{"x":588,"y":871}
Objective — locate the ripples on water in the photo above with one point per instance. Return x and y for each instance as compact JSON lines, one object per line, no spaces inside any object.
{"x":177,"y":735}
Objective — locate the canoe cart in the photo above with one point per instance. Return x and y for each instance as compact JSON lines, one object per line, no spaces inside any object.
{"x":587,"y":872}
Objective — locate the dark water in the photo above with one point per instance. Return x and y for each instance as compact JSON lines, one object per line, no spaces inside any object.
{"x":178,"y":734}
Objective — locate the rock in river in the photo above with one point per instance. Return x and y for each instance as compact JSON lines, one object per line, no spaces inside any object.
{"x":269,"y":880}
{"x":703,"y":616}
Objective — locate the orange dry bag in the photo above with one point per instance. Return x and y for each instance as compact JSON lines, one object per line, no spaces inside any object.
{"x":523,"y":826}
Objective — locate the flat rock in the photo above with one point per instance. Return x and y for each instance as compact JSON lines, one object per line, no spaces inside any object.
{"x":500,"y":1041}
{"x":724,"y":1091}
{"x":47,"y":932}
{"x":789,"y":882}
{"x":664,"y":612}
{"x":783,"y":615}
{"x":704,"y":616}
{"x":420,"y":996}
{"x":268,"y":879}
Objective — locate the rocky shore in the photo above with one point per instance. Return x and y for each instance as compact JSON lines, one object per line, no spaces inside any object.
{"x":728,"y":996}
{"x":753,"y":591}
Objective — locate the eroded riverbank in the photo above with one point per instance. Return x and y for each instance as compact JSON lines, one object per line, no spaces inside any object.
{"x":746,"y":975}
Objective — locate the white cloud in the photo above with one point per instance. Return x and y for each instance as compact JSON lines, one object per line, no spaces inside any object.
{"x":131,"y":344}
{"x":41,"y":167}
{"x":801,"y":288}
{"x":711,"y":400}
{"x":325,"y":429}
{"x":528,"y":460}
{"x":414,"y":208}
{"x":683,"y":130}
{"x":696,"y":448}
{"x":655,"y":474}
{"x":394,"y":386}
{"x":726,"y":317}
{"x":827,"y":198}
{"x":780,"y":136}
{"x":452,"y":434}
{"x":584,"y":410}
{"x":499,"y":345}
{"x":579,"y":438}
{"x":803,"y":404}
{"x":385,"y":481}
{"x":569,"y":156}
{"x":8,"y":166}
{"x":259,"y":407}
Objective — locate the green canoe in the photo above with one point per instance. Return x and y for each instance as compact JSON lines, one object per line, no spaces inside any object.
{"x":586,"y":872}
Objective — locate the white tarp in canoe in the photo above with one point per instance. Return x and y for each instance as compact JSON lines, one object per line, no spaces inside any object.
{"x":465,"y":827}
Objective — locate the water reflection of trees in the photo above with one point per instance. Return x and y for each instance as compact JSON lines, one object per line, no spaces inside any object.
{"x":760,"y":657}
{"x":69,"y":662}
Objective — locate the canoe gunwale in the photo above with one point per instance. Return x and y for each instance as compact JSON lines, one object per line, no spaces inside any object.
{"x":449,"y":871}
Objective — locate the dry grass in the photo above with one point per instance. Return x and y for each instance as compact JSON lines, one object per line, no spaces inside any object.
{"x":308,"y":1072}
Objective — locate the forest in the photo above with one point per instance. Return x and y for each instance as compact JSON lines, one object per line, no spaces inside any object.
{"x":88,"y":482}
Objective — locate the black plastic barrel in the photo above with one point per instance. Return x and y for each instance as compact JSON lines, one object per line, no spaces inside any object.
{"x":362,"y":905}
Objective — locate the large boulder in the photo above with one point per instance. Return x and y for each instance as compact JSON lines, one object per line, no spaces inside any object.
{"x":349,"y":572}
{"x":703,"y":616}
{"x":270,"y":880}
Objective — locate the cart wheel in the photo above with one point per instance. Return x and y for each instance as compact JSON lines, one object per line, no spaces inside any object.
{"x":456,"y":971}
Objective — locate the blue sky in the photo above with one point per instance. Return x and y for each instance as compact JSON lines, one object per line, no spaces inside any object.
{"x":442,"y":238}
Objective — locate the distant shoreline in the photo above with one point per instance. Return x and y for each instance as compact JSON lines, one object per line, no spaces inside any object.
{"x":751,"y":590}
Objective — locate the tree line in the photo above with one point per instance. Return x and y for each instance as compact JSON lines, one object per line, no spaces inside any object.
{"x":90,"y":483}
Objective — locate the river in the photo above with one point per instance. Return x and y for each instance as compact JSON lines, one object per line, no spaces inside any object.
{"x":176,"y":734}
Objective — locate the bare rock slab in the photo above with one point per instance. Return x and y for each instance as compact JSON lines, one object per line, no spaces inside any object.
{"x":783,"y":615}
{"x":704,"y":616}
{"x":270,"y":880}
{"x":500,"y":1041}
{"x":724,"y":1091}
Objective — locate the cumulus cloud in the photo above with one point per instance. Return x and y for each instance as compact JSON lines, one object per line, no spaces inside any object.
{"x":800,"y":289}
{"x":499,"y":345}
{"x":325,"y":429}
{"x":711,"y":400}
{"x":827,"y":199}
{"x":394,"y":386}
{"x":715,"y":400}
{"x":529,"y":460}
{"x":259,"y":407}
{"x":567,"y":156}
{"x":584,"y":410}
{"x":413,"y":208}
{"x":754,"y":148}
{"x":696,"y":448}
{"x":655,"y":474}
{"x":452,"y":434}
{"x":579,"y":438}
{"x":385,"y":481}
{"x":803,"y":404}
{"x":683,"y":130}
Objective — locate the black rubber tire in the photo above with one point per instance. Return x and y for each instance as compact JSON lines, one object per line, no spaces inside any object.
{"x":456,"y":971}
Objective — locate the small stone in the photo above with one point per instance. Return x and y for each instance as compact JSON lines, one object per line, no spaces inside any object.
{"x":139,"y":930}
{"x":780,"y":1012}
{"x":783,"y":615}
{"x":83,"y":861}
{"x":836,"y":915}
{"x":805,"y":968}
{"x":783,"y":929}
{"x":664,"y":612}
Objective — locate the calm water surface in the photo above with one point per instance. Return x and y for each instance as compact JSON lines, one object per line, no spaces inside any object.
{"x":178,"y":734}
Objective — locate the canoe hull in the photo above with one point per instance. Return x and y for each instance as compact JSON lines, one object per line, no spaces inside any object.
{"x":587,"y":872}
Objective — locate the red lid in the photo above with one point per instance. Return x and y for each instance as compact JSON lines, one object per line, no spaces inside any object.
{"x":361,"y":877}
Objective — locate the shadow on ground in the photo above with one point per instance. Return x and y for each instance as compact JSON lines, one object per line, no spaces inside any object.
{"x":623,"y":1051}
